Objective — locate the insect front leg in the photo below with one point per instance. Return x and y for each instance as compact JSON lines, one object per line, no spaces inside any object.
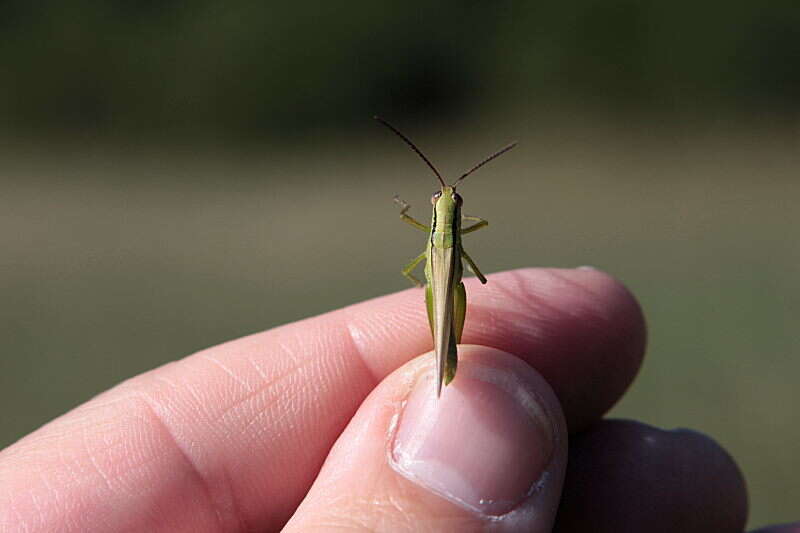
{"x":411,"y":266}
{"x":404,"y":207}
{"x":472,"y":266}
{"x":479,"y":223}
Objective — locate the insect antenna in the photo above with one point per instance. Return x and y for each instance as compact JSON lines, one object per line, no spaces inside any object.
{"x":479,"y":165}
{"x":413,"y":147}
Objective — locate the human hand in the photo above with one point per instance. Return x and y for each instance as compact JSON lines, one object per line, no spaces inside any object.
{"x":328,"y":424}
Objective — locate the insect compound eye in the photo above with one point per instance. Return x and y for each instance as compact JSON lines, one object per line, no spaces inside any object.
{"x":457,"y":198}
{"x":435,"y":197}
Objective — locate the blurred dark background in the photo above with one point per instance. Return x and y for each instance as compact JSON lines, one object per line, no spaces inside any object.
{"x":177,"y":174}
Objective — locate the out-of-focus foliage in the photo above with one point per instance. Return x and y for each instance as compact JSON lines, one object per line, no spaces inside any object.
{"x":241,"y":68}
{"x":658,"y":141}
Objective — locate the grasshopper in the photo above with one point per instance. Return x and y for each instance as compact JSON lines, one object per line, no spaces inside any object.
{"x":445,"y":296}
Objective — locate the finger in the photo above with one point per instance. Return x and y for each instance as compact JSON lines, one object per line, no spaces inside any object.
{"x":235,"y":435}
{"x":489,"y":455}
{"x":580,"y":328}
{"x":627,"y":476}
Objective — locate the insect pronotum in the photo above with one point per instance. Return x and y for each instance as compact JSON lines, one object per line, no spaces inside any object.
{"x":445,"y":297}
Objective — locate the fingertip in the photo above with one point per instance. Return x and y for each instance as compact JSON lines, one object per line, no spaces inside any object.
{"x":489,"y":454}
{"x":581,"y":328}
{"x":586,"y":292}
{"x":627,"y":476}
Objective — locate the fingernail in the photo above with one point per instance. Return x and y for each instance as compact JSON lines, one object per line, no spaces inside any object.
{"x":484,"y":444}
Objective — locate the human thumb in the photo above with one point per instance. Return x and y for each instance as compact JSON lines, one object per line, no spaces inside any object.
{"x":488,"y":455}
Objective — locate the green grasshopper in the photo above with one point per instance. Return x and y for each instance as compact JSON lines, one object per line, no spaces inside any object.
{"x":445,"y":296}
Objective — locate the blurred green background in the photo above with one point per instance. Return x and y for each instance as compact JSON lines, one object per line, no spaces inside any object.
{"x":177,"y":174}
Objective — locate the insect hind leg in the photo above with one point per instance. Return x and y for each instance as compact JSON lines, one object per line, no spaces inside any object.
{"x":411,"y":266}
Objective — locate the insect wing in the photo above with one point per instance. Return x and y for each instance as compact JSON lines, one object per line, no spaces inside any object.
{"x":442,"y":288}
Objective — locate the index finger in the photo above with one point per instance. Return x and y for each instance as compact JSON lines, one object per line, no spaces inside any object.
{"x":233,"y":436}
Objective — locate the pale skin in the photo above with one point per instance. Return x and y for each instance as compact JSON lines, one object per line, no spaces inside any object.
{"x":234,"y":438}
